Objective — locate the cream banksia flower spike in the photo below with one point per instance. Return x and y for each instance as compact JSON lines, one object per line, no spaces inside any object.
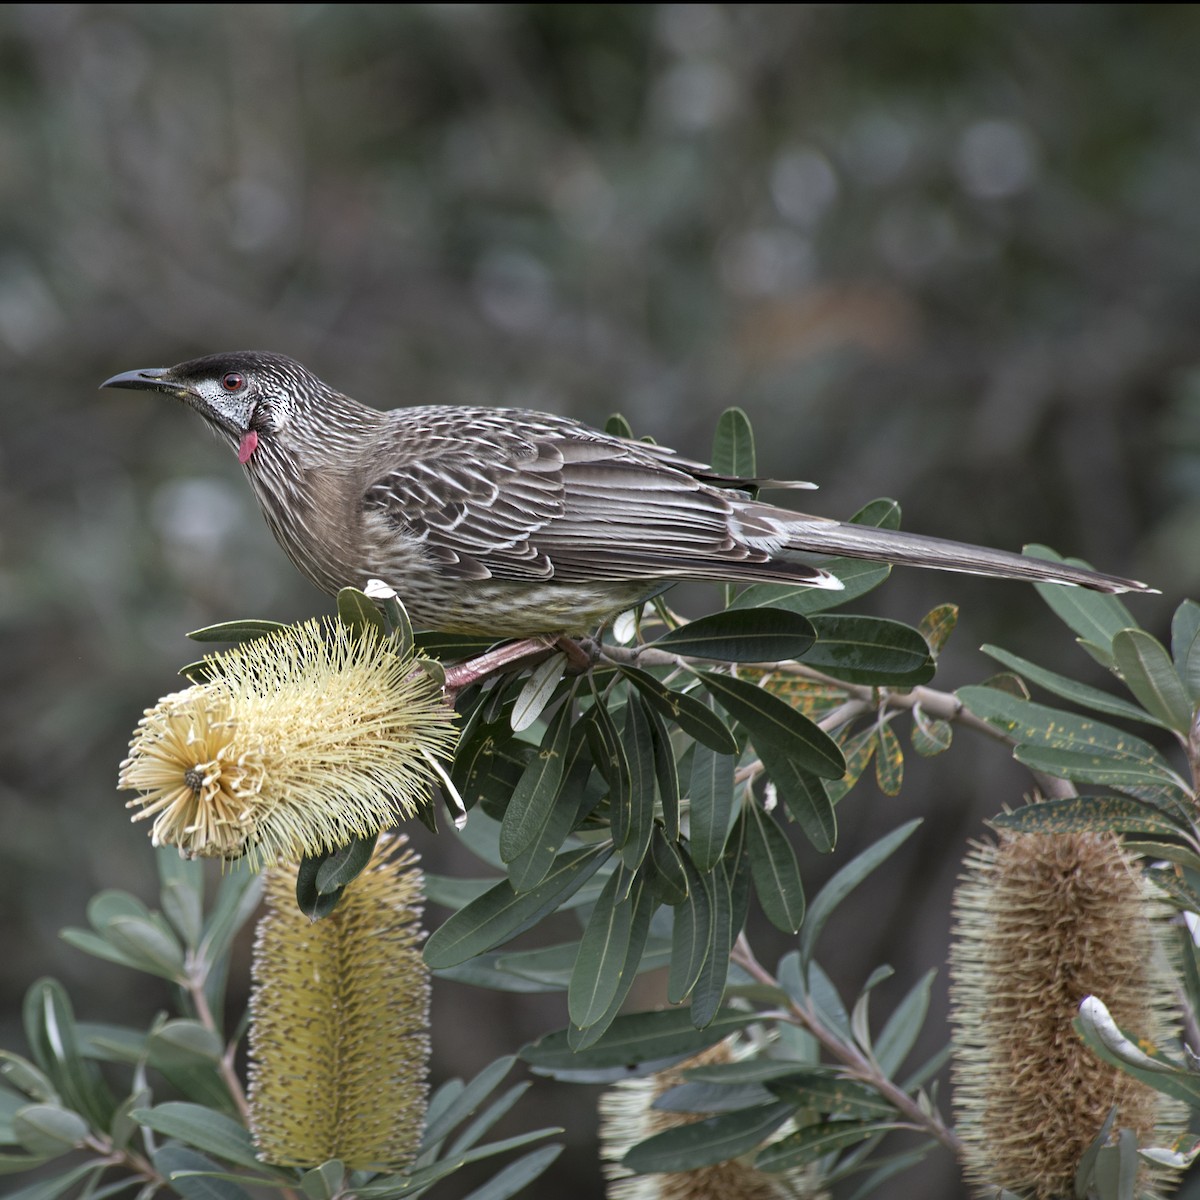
{"x":1043,"y":920}
{"x":300,"y":742}
{"x":628,"y":1116}
{"x":339,"y":1043}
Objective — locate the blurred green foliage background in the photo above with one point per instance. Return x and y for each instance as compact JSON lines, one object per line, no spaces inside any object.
{"x":943,"y":253}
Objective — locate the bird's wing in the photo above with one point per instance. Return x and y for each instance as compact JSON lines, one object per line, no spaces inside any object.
{"x":545,"y":499}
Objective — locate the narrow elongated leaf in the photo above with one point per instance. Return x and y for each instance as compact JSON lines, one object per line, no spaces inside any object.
{"x":639,"y":753}
{"x":870,"y":650}
{"x":1095,"y":814}
{"x":181,"y":1166}
{"x":713,"y":1140}
{"x":635,"y":1038}
{"x":510,"y":1180}
{"x":857,"y":576}
{"x":1185,"y":625}
{"x":666,"y":771}
{"x":899,"y":1035}
{"x":692,"y":933}
{"x":59,"y":1185}
{"x":345,"y":864}
{"x":889,"y":761}
{"x":805,"y":797}
{"x":618,"y":425}
{"x":538,"y":788}
{"x":1150,"y":675}
{"x":356,"y":610}
{"x":236,"y":631}
{"x":825,"y":1093}
{"x":500,"y":913}
{"x":1035,"y":725}
{"x":608,"y":753}
{"x":602,"y":952}
{"x":1122,"y":772}
{"x":771,"y":721}
{"x":714,"y":972}
{"x":538,"y":691}
{"x":323,"y":1182}
{"x":1095,"y":616}
{"x":451,"y":1105}
{"x":1070,"y":689}
{"x":48,"y":1130}
{"x":733,"y":445}
{"x":202,"y":1128}
{"x":644,"y":906}
{"x":711,"y":810}
{"x":748,"y":635}
{"x":815,"y":1141}
{"x":845,"y":881}
{"x":937,"y":625}
{"x":694,"y":717}
{"x":668,"y":879}
{"x":776,"y":872}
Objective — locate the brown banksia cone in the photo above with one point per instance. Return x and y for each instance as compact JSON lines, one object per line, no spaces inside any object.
{"x":339,"y":1044}
{"x":628,"y":1116}
{"x":1043,"y":920}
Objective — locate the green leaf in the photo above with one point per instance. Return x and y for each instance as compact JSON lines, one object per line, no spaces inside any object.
{"x":776,"y":872}
{"x":857,"y":576}
{"x":714,"y":971}
{"x":323,"y":1182}
{"x":1185,"y":646}
{"x":805,"y":797}
{"x":635,"y":1038}
{"x":54,"y":1041}
{"x":538,"y":691}
{"x":771,"y":721}
{"x":937,"y":625}
{"x":357,"y":611}
{"x":1096,"y":617}
{"x":712,"y":802}
{"x":608,"y":753}
{"x":733,"y":445}
{"x":189,"y":1174}
{"x":58,"y":1185}
{"x":48,"y":1130}
{"x":666,"y":771}
{"x":639,"y":754}
{"x":751,"y":635}
{"x":236,"y":631}
{"x":202,"y":1128}
{"x":21,"y":1074}
{"x":1091,"y":814}
{"x":514,"y":1177}
{"x":539,"y":786}
{"x":1150,"y":675}
{"x":814,"y":1142}
{"x":870,"y":650}
{"x":500,"y":913}
{"x":644,"y":906}
{"x":691,"y":933}
{"x":930,"y":736}
{"x":618,"y":425}
{"x":602,"y":951}
{"x":182,"y":895}
{"x":819,"y":1091}
{"x":1123,"y":772}
{"x":706,"y":1142}
{"x":899,"y":1035}
{"x":845,"y":881}
{"x":668,"y":879}
{"x":695,"y":718}
{"x":889,"y":761}
{"x":344,"y":865}
{"x":1032,"y":726}
{"x":1070,"y":689}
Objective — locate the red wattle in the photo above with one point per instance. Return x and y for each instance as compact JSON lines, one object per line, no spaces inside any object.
{"x":247,"y":447}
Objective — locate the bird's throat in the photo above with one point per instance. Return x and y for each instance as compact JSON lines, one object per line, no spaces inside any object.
{"x":247,"y":446}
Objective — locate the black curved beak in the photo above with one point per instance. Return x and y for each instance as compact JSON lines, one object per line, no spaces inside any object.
{"x":149,"y":379}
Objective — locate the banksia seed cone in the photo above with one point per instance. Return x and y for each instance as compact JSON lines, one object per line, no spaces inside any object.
{"x":301,"y":741}
{"x":1041,"y":921}
{"x":339,"y":1044}
{"x":628,"y":1116}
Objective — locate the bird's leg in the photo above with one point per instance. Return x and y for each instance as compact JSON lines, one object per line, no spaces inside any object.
{"x":522,"y":653}
{"x":582,"y":653}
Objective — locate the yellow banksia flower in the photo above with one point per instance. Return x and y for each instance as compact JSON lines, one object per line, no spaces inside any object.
{"x":1043,"y":920}
{"x":300,"y":742}
{"x":339,"y":1041}
{"x":628,"y":1116}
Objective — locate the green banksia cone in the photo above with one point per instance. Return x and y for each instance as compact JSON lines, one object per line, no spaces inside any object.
{"x":301,"y":741}
{"x":339,"y":1044}
{"x":628,"y":1116}
{"x":1041,"y":921}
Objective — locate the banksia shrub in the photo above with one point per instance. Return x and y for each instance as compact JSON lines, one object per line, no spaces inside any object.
{"x":300,"y":742}
{"x":339,"y":1042}
{"x":1041,"y":921}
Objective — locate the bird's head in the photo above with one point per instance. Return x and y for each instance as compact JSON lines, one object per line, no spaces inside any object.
{"x":250,"y":398}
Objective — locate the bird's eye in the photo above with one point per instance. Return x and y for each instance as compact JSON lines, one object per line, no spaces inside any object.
{"x":233,"y":381}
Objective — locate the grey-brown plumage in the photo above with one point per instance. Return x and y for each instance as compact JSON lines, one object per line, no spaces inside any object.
{"x":512,"y":523}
